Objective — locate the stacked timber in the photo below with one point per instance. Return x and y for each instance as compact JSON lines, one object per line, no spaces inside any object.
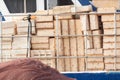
{"x":111,"y":42}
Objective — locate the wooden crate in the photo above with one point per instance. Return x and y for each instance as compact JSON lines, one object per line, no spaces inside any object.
{"x":45,"y":25}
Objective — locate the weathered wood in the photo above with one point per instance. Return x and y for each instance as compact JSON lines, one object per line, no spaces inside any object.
{"x":66,"y":45}
{"x":45,"y":25}
{"x":84,"y":22}
{"x":97,"y":40}
{"x":80,"y":46}
{"x":94,"y":22}
{"x":44,"y":18}
{"x":73,"y":45}
{"x":37,"y":39}
{"x":45,"y":32}
{"x":40,"y":46}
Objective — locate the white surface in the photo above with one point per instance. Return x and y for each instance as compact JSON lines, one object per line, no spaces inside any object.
{"x":76,"y":2}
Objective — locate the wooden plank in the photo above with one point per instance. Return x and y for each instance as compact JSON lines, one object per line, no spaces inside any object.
{"x":59,"y":48}
{"x":62,"y":9}
{"x":45,"y":25}
{"x":37,"y":39}
{"x":111,"y":52}
{"x":65,"y":16}
{"x":97,"y":40}
{"x":7,"y":38}
{"x":40,"y":46}
{"x":8,"y":24}
{"x":94,"y":60}
{"x":43,"y":54}
{"x":111,"y":45}
{"x":109,"y":66}
{"x":73,"y":45}
{"x":44,"y":18}
{"x":80,"y":46}
{"x":95,"y":66}
{"x":111,"y":31}
{"x":84,"y":22}
{"x":6,"y":45}
{"x":25,"y":23}
{"x":84,"y":8}
{"x":19,"y":42}
{"x":110,"y":39}
{"x":106,"y":10}
{"x":110,"y":17}
{"x":88,"y":40}
{"x":45,"y":32}
{"x":110,"y":25}
{"x":106,"y":3}
{"x":94,"y":52}
{"x":52,"y":44}
{"x":42,"y":12}
{"x":66,"y":45}
{"x":94,"y":22}
{"x":8,"y":31}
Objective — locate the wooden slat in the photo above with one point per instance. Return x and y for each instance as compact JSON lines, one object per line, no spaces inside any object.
{"x":97,"y":40}
{"x":45,"y":32}
{"x":106,"y":10}
{"x":44,"y":18}
{"x":111,"y":52}
{"x":37,"y":39}
{"x":110,"y":17}
{"x":109,"y":39}
{"x":80,"y":46}
{"x":6,"y":45}
{"x":110,"y":25}
{"x":66,"y":16}
{"x":8,"y":24}
{"x":45,"y":25}
{"x":52,"y":44}
{"x":95,"y":52}
{"x":7,"y":38}
{"x":59,"y":47}
{"x":8,"y":31}
{"x":73,"y":45}
{"x":84,"y":22}
{"x":66,"y":45}
{"x":111,"y":45}
{"x":94,"y":22}
{"x":40,"y":46}
{"x":111,"y":31}
{"x":19,"y":42}
{"x":88,"y":40}
{"x":95,"y":66}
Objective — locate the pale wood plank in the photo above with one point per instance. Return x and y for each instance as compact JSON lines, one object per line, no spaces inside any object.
{"x":45,"y":25}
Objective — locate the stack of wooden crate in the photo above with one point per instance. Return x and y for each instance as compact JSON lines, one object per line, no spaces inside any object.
{"x":43,"y":42}
{"x":111,"y":42}
{"x":8,"y":30}
{"x":92,"y":41}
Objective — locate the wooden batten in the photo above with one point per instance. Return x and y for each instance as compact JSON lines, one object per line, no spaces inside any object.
{"x":45,"y":25}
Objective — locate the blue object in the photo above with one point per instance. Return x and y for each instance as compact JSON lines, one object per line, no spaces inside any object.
{"x":94,"y":76}
{"x":3,"y":19}
{"x":87,"y":2}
